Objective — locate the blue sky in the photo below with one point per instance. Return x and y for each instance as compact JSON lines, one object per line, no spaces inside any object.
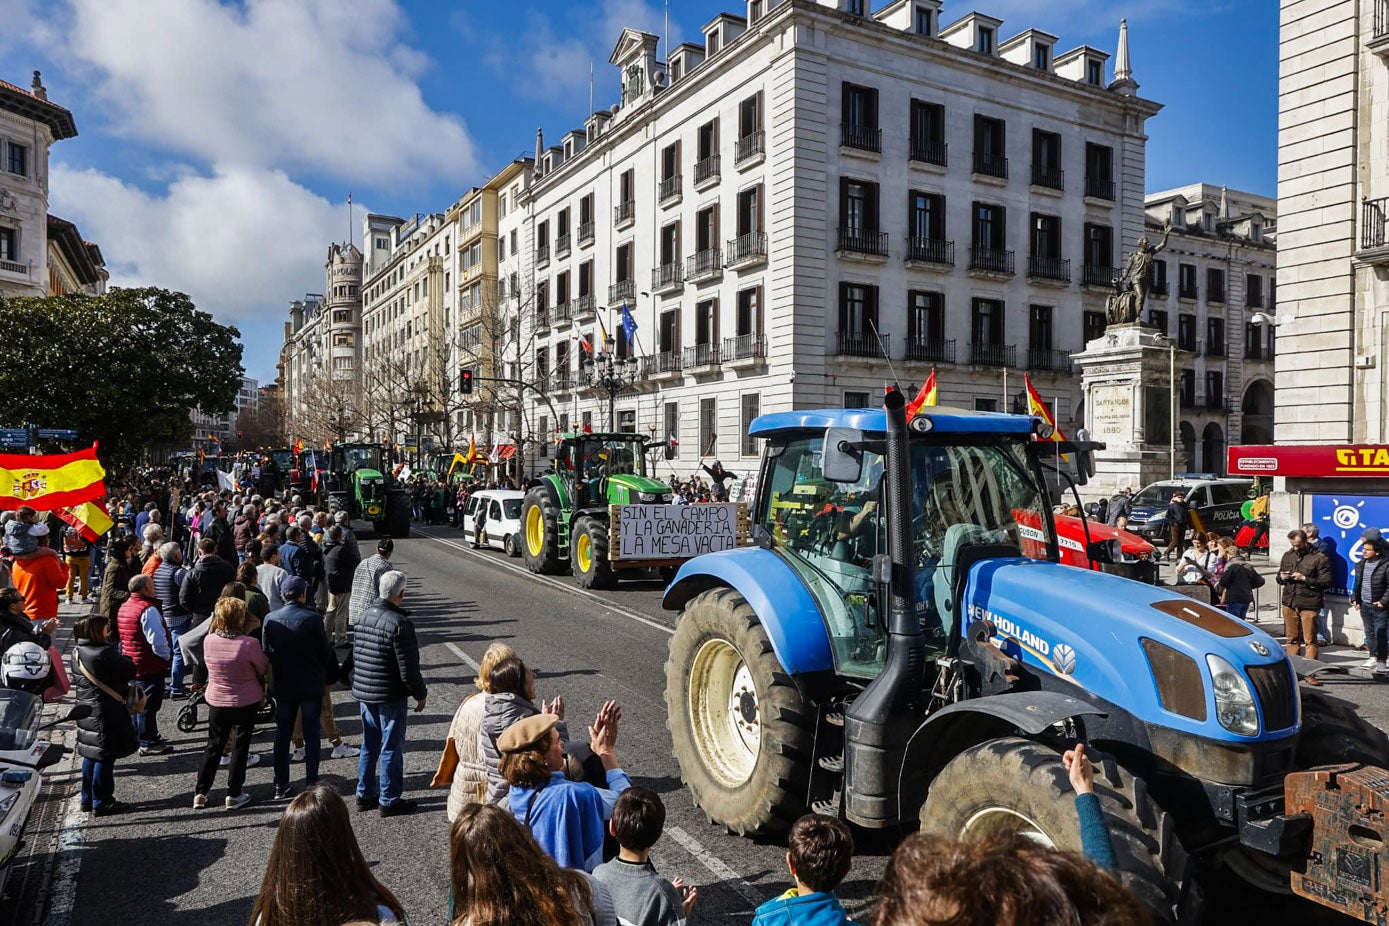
{"x":218,"y":141}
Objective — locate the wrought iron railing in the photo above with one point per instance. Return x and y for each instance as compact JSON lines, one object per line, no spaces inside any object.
{"x":1049,"y":268}
{"x":863,"y":241}
{"x":988,"y":259}
{"x":931,"y":250}
{"x":862,"y":344}
{"x":862,"y":137}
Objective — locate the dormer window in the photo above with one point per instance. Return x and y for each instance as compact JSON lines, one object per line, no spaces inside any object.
{"x":1208,"y":221}
{"x":711,"y":43}
{"x":1041,"y":57}
{"x":854,"y":7}
{"x":568,"y":150}
{"x":984,"y":40}
{"x":674,"y":71}
{"x":754,"y":11}
{"x":921,"y":21}
{"x":1094,"y":72}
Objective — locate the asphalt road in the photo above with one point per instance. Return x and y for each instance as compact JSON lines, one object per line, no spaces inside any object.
{"x":164,"y":863}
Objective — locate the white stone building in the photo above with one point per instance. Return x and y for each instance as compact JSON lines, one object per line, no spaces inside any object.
{"x":29,"y":124}
{"x":812,"y":192}
{"x":1214,"y":293}
{"x":301,"y":356}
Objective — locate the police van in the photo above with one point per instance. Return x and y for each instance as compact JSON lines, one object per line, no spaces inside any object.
{"x":1213,"y":501}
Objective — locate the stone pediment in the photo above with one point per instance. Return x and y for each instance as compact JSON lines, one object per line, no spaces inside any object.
{"x":631,"y":45}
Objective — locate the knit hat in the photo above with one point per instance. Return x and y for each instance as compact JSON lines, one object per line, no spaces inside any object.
{"x":293,"y":587}
{"x":524,"y":733}
{"x":1371,"y":533}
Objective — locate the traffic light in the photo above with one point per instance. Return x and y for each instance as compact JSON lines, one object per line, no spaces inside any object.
{"x":465,"y":382}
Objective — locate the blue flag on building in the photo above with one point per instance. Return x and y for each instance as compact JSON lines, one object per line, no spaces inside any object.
{"x":629,"y":324}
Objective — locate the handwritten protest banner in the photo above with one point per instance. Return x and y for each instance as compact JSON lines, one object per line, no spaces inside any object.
{"x":673,"y":532}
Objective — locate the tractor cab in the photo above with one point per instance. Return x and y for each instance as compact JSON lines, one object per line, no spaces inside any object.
{"x":974,"y":498}
{"x":589,"y":461}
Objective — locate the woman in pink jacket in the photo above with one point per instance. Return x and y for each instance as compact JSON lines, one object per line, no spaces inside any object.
{"x":236,"y":667}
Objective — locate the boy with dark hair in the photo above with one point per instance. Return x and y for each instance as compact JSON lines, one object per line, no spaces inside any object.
{"x":641,"y":897}
{"x":819,"y":852}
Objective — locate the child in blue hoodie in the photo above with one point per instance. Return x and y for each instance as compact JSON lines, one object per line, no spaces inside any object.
{"x":819,"y":852}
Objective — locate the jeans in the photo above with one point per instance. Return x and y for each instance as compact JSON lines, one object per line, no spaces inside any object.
{"x":285,"y":714}
{"x":1239,"y":609}
{"x":383,"y":741}
{"x":177,"y":667}
{"x":327,"y":725}
{"x":147,"y":722}
{"x":1376,"y":630}
{"x":98,"y":783}
{"x":223,"y":722}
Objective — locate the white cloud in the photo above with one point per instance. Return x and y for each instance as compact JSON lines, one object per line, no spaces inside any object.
{"x":241,"y":241}
{"x":308,"y":84}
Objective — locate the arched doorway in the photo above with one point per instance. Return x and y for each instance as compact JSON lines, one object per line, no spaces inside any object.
{"x":1213,"y":449}
{"x":1186,"y":435}
{"x":1256,"y":409}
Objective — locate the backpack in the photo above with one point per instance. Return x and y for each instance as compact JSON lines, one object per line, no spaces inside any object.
{"x":73,"y":542}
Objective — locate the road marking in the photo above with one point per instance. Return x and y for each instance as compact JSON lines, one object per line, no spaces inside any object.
{"x":555,"y":583}
{"x":717,"y":867}
{"x":458,"y":651}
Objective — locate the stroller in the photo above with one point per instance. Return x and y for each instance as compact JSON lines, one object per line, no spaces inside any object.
{"x":188,"y":719}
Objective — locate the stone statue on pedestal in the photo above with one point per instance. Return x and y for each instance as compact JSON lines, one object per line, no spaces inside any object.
{"x":1125,"y":304}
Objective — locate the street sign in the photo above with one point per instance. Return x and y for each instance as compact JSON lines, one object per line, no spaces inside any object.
{"x":12,"y":438}
{"x":57,"y":434}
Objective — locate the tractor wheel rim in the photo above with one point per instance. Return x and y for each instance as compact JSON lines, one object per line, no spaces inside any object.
{"x":583,"y":552}
{"x":535,"y":531}
{"x":993,"y":821}
{"x":725,"y":713}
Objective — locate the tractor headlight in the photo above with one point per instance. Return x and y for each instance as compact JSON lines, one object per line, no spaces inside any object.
{"x":1234,"y":702}
{"x":649,"y":498}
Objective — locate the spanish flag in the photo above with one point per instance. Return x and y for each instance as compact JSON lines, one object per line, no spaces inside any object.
{"x":1035,"y":406}
{"x":89,"y":518}
{"x":49,"y":482}
{"x":299,"y":446}
{"x":473,"y":456}
{"x":927,"y":396}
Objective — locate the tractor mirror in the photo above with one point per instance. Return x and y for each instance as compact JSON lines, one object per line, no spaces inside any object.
{"x":841,"y":457}
{"x":1104,"y":551}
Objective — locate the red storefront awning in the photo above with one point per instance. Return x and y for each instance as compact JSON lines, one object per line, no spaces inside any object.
{"x":1325,"y":460}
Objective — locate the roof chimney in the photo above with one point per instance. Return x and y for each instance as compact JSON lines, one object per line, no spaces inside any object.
{"x":38,"y":88}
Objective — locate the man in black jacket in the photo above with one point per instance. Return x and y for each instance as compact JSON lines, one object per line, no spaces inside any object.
{"x":1369,"y":594}
{"x":1177,"y":513}
{"x":339,"y":563}
{"x":303,"y":665}
{"x":386,"y":671}
{"x":220,"y":530}
{"x":203,"y":585}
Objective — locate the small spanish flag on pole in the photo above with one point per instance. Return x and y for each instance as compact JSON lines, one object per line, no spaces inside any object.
{"x":1035,"y":406}
{"x":927,"y":396}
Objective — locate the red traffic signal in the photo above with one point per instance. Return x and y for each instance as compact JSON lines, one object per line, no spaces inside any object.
{"x":465,"y":382}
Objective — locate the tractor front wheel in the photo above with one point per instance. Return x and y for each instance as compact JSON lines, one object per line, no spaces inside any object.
{"x":1016,"y":786}
{"x":742,"y":734}
{"x":588,"y":554}
{"x":540,"y":533}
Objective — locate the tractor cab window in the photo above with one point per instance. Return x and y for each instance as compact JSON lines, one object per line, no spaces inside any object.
{"x":355,"y":458}
{"x":829,"y":532}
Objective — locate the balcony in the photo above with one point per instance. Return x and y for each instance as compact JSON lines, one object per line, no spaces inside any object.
{"x":1158,"y":290}
{"x":664,"y":364}
{"x":1215,"y":295}
{"x":1215,"y":402}
{"x":744,"y":347}
{"x":929,"y":152}
{"x":622,"y":291}
{"x":1054,"y":269}
{"x":936,"y":251}
{"x":1215,"y":347}
{"x":862,"y":242}
{"x":542,"y":255}
{"x":860,"y":137}
{"x":1044,"y":358}
{"x":542,"y":319}
{"x":1187,"y":292}
{"x":1379,"y":38}
{"x":990,"y":165}
{"x":1255,"y":351}
{"x":582,"y":307}
{"x":701,"y":355}
{"x":1099,"y":188}
{"x":704,"y":265}
{"x":930,"y":350}
{"x":987,"y":260}
{"x":585,"y":233}
{"x":625,"y":213}
{"x":1099,"y":275}
{"x":747,"y":250}
{"x":562,"y":246}
{"x":667,"y":278}
{"x":1048,"y":177}
{"x":668,"y":192}
{"x":749,"y":147}
{"x":706,"y":172}
{"x":561,"y":382}
{"x":561,"y":313}
{"x":1187,"y":399}
{"x":1186,"y":341}
{"x":862,"y":344}
{"x":993,"y":355}
{"x":1374,"y":227}
{"x":14,"y":266}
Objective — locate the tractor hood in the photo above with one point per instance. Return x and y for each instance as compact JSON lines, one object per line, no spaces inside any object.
{"x":1141,"y":646}
{"x":367,"y":475}
{"x":638,"y":486}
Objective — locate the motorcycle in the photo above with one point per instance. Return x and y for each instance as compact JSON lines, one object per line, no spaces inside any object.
{"x":23,"y":753}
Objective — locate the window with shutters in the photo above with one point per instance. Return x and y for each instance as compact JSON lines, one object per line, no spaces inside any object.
{"x":671,"y":421}
{"x":990,"y":147}
{"x":928,"y":133}
{"x":708,"y":423}
{"x":751,"y":404}
{"x":858,"y":309}
{"x":989,"y":226}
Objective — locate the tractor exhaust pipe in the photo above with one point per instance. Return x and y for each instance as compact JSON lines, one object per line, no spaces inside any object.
{"x":879,"y":721}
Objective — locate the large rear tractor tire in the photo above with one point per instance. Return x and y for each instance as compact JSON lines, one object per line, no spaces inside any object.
{"x":588,"y":554}
{"x":398,"y":516}
{"x":540,"y":533}
{"x":743,"y":736}
{"x":1013,"y":785}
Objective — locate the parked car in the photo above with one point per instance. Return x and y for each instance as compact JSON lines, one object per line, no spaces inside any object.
{"x":1214,"y":503}
{"x":1136,"y":560}
{"x":502,"y":527}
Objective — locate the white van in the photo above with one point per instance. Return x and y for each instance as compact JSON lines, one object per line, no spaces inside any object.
{"x":501,"y":527}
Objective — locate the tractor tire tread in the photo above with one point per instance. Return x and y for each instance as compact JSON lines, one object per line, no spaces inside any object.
{"x":548,"y":563}
{"x":600,"y":574}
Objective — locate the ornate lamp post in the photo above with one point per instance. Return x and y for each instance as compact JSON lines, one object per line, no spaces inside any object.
{"x":611,"y":375}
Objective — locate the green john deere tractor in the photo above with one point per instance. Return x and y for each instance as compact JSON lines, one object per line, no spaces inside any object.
{"x":564,"y":520}
{"x":360,"y":482}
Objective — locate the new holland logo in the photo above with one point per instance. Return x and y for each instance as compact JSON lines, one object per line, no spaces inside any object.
{"x":30,"y":485}
{"x":1064,"y":658}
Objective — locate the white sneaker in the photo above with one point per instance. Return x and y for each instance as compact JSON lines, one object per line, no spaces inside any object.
{"x":200,"y":802}
{"x":1381,"y":668}
{"x":298,"y":755}
{"x":251,"y":759}
{"x":224,"y":762}
{"x":344,"y":751}
{"x":1370,"y":663}
{"x":235,"y":803}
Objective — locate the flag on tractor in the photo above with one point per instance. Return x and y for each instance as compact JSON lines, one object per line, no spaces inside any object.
{"x":89,"y":519}
{"x":1035,"y":406}
{"x":927,"y":396}
{"x":48,"y":482}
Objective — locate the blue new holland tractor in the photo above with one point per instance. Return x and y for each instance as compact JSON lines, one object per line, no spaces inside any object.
{"x":901,"y":647}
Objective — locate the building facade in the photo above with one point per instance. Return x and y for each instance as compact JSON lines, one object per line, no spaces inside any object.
{"x":74,"y":265}
{"x":301,"y":356}
{"x":1214,"y":293}
{"x":813,"y":202}
{"x":29,"y":124}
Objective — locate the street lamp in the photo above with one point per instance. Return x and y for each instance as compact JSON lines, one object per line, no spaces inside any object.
{"x":611,"y":375}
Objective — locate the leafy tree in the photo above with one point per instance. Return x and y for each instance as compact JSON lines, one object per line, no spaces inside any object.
{"x":124,"y":369}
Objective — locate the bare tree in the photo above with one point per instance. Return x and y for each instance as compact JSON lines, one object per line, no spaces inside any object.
{"x":263,"y":427}
{"x":330,"y":409}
